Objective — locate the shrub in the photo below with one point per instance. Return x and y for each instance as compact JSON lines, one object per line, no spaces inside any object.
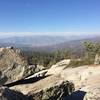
{"x":77,"y":63}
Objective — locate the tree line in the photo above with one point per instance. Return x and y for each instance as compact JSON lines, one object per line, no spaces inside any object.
{"x":46,"y":58}
{"x":91,"y":55}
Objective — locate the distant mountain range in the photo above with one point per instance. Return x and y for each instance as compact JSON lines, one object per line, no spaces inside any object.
{"x":47,"y":43}
{"x":33,"y":40}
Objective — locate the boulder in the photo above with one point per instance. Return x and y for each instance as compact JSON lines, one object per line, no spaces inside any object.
{"x":57,"y":92}
{"x":7,"y":94}
{"x":49,"y":88}
{"x":13,"y":66}
{"x":58,"y":67}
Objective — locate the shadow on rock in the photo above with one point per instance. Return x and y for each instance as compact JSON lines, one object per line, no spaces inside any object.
{"x":26,"y":81}
{"x":7,"y":94}
{"x":78,"y":95}
{"x":3,"y":78}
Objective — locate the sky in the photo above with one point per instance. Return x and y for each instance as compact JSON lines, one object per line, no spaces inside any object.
{"x":50,"y":17}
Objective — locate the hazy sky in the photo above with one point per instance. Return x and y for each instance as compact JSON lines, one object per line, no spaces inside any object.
{"x":49,"y":16}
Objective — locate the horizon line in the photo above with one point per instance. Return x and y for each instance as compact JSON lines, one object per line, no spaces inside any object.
{"x":10,"y":34}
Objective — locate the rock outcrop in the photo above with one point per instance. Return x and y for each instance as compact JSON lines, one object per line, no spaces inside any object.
{"x":49,"y":88}
{"x":7,"y":94}
{"x":56,"y":92}
{"x":85,"y":78}
{"x":58,"y":67}
{"x":13,"y":66}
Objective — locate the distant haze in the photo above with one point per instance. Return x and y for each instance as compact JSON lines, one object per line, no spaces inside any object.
{"x":11,"y":34}
{"x":34,"y":40}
